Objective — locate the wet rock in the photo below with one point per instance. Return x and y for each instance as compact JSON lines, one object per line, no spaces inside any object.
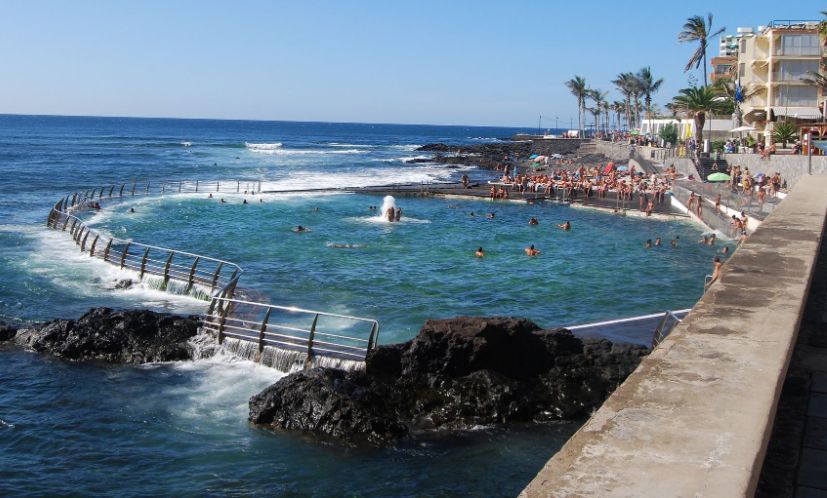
{"x":455,"y":374}
{"x":7,"y":332}
{"x":103,"y":334}
{"x":123,"y":284}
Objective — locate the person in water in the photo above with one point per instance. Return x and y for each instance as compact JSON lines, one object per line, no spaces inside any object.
{"x":299,"y":229}
{"x":398,"y":216}
{"x":674,"y":242}
{"x":565,"y":226}
{"x":245,"y":201}
{"x":658,"y":242}
{"x":648,"y":244}
{"x":490,"y":216}
{"x":533,"y":221}
{"x":390,"y":214}
{"x":531,"y":251}
{"x":223,"y":201}
{"x":131,"y":210}
{"x":210,"y":196}
{"x":480,"y":253}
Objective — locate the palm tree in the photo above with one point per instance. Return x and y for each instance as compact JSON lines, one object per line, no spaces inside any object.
{"x":618,"y":107}
{"x":784,"y":131}
{"x":607,"y":113}
{"x":697,"y":29}
{"x":822,"y":26}
{"x":625,"y":83}
{"x":577,"y":86}
{"x":697,"y":102}
{"x":648,"y":86}
{"x":726,"y":88}
{"x":598,"y":97}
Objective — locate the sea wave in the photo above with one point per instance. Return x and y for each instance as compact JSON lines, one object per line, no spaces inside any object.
{"x":297,"y":152}
{"x":337,"y":144}
{"x":263,"y":146}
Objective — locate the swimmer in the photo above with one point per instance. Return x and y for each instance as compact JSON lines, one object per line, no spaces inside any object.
{"x":261,"y":201}
{"x":223,"y":201}
{"x":531,"y":251}
{"x":658,"y":242}
{"x":472,"y":215}
{"x":648,"y":244}
{"x":704,"y":240}
{"x":398,"y":214}
{"x":346,"y":246}
{"x":245,"y":201}
{"x":131,"y":210}
{"x":725,"y":250}
{"x":490,"y":216}
{"x":712,"y":240}
{"x":674,"y":242}
{"x":299,"y":229}
{"x":565,"y":226}
{"x":315,"y":210}
{"x":210,"y":196}
{"x":533,"y":221}
{"x":480,"y":253}
{"x":390,"y":215}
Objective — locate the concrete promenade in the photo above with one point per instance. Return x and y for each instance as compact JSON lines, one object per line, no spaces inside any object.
{"x":695,"y":417}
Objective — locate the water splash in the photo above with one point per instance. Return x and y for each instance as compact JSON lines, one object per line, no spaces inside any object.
{"x":389,"y":202}
{"x":285,"y":360}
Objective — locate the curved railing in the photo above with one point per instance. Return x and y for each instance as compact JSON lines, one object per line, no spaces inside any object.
{"x":212,"y":279}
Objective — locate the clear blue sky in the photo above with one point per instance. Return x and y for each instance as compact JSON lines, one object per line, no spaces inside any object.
{"x":441,"y":62}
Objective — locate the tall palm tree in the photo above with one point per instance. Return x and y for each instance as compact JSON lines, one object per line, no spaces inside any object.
{"x":607,"y":107}
{"x":619,"y":107}
{"x":625,"y":83}
{"x":598,"y":97}
{"x":577,"y":86}
{"x":696,"y":103}
{"x":648,"y":86}
{"x":697,"y":29}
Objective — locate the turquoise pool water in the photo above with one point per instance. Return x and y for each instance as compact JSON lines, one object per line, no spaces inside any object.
{"x":354,"y":262}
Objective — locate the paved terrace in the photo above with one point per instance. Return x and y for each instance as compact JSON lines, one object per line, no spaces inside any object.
{"x":695,"y":417}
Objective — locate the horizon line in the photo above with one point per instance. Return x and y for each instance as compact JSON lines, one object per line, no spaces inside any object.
{"x":261,"y":120}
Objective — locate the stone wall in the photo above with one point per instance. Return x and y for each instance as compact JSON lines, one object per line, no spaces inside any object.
{"x":549,"y":146}
{"x":792,"y":168}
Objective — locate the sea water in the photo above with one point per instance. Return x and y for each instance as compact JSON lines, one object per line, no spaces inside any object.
{"x":180,"y":428}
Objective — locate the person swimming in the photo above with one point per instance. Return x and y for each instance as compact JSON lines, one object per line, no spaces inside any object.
{"x":531,"y":251}
{"x":490,"y":216}
{"x":533,"y":221}
{"x":299,"y":229}
{"x":658,"y":242}
{"x":565,"y":226}
{"x":245,"y":201}
{"x":480,"y":253}
{"x":648,"y":244}
{"x":223,"y":201}
{"x":398,"y":216}
{"x":131,"y":210}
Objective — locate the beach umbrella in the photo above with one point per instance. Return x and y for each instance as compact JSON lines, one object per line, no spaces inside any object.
{"x":539,"y":159}
{"x":556,"y":156}
{"x":742,"y":129}
{"x":532,"y":156}
{"x":623,"y":167}
{"x":718,"y":177}
{"x":759,"y":176}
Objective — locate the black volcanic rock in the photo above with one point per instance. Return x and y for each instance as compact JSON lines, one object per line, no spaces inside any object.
{"x":135,"y":336}
{"x":454,"y":374}
{"x":7,"y":332}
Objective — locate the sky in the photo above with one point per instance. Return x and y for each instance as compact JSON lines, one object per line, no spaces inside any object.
{"x":494,"y":63}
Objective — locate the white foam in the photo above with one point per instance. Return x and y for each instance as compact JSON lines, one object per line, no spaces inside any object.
{"x":408,"y":147}
{"x":367,"y":177}
{"x":220,"y":389}
{"x":263,"y":146}
{"x":337,"y":144}
{"x":59,"y":258}
{"x":301,"y":152}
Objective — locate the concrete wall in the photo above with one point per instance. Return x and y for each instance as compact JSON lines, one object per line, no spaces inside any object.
{"x":792,"y":168}
{"x":683,"y":165}
{"x":695,"y":417}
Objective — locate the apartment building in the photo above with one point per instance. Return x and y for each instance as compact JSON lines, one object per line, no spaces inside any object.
{"x":771,"y":65}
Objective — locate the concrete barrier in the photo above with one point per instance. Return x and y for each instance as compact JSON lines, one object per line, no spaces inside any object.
{"x":792,"y":168}
{"x":695,"y":417}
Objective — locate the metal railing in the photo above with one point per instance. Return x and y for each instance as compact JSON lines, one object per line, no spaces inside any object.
{"x":314,"y":333}
{"x":665,"y":326}
{"x":211,"y":278}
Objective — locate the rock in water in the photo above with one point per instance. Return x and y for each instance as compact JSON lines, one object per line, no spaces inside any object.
{"x":135,"y":336}
{"x":455,"y":374}
{"x":7,"y":332}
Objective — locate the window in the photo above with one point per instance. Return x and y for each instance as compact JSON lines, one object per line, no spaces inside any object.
{"x":723,"y":68}
{"x":800,"y":44}
{"x":742,"y":69}
{"x":793,"y":70}
{"x":743,"y":46}
{"x":796,"y":96}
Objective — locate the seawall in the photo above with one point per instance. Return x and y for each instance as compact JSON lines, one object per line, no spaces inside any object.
{"x":695,"y":417}
{"x":792,"y":168}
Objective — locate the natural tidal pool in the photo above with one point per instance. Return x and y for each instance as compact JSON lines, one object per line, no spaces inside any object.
{"x":352,"y":261}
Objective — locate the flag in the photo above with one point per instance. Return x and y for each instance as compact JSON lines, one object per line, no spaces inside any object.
{"x":739,"y":96}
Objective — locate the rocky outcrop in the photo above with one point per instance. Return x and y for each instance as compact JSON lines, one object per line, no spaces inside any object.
{"x":136,"y":336}
{"x":455,"y":374}
{"x":7,"y":332}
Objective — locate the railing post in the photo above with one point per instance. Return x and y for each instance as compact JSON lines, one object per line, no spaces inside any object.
{"x":179,"y":187}
{"x":163,"y":187}
{"x":238,"y":186}
{"x":311,"y":337}
{"x":111,"y":190}
{"x":120,"y":192}
{"x":124,"y":254}
{"x":192,"y":274}
{"x":221,"y":322}
{"x":166,"y":270}
{"x":143,"y":262}
{"x":134,"y":185}
{"x":65,"y":222}
{"x":218,"y":186}
{"x":106,"y":251}
{"x":83,"y":243}
{"x":94,"y":243}
{"x":196,"y":185}
{"x":374,"y":333}
{"x":147,"y":188}
{"x":215,"y":277}
{"x":261,"y":332}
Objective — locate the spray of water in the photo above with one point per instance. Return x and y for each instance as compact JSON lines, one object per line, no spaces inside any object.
{"x":387,"y":203}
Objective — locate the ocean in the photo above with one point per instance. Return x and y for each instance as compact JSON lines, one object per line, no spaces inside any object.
{"x":180,"y":428}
